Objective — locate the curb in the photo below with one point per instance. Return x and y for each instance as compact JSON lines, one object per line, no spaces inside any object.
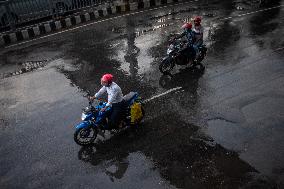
{"x":53,"y":26}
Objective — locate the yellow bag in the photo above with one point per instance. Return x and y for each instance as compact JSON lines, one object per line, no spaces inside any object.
{"x":136,"y":113}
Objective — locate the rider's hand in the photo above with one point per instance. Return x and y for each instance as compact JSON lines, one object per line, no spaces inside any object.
{"x":92,"y":98}
{"x":103,"y":109}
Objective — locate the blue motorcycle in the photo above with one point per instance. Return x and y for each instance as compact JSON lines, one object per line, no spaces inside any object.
{"x":94,"y":120}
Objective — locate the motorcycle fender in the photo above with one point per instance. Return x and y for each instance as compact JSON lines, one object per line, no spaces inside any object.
{"x":167,"y":60}
{"x":83,"y":124}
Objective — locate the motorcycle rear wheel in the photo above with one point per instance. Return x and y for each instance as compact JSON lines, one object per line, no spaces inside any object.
{"x":85,"y":136}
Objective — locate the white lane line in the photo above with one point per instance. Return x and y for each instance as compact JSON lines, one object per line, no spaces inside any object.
{"x":104,"y":20}
{"x":280,"y":48}
{"x":178,"y":88}
{"x":162,"y":94}
{"x":240,"y":15}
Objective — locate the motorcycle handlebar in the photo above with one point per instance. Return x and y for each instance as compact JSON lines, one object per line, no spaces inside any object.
{"x":172,"y":40}
{"x":92,"y":100}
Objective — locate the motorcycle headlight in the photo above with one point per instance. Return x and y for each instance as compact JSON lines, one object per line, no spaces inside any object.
{"x":170,"y":49}
{"x":83,"y":117}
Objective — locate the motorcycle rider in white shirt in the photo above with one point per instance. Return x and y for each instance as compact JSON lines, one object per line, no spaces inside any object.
{"x":115,"y":100}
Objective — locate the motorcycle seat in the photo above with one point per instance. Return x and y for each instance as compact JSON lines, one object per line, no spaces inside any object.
{"x":129,"y":97}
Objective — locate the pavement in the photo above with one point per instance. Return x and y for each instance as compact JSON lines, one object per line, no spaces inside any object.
{"x":221,"y":128}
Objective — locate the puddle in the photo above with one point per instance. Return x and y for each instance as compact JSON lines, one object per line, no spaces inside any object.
{"x":135,"y":59}
{"x":134,"y":170}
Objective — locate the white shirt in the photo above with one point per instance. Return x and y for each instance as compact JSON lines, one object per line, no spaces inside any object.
{"x":198,"y":34}
{"x":113,"y":91}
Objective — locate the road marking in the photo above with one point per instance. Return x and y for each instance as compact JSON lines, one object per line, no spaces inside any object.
{"x":246,"y":64}
{"x":162,"y":94}
{"x":278,"y":49}
{"x":178,"y":88}
{"x":249,"y":13}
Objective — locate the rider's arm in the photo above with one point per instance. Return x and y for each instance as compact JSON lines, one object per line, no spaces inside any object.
{"x":191,"y":39}
{"x":198,"y":36}
{"x":100,"y":92}
{"x":201,"y":34}
{"x":180,"y":35}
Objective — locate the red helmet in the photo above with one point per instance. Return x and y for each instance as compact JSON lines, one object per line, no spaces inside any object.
{"x":187,"y":26}
{"x":107,"y":78}
{"x":197,"y":20}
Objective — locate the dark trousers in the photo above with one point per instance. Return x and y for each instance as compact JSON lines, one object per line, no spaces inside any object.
{"x":189,"y":52}
{"x":117,"y":113}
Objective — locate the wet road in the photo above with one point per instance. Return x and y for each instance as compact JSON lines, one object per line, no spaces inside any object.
{"x":222,"y":128}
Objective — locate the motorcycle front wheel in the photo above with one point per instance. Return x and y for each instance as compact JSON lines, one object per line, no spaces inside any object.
{"x":166,"y":66}
{"x":85,"y":136}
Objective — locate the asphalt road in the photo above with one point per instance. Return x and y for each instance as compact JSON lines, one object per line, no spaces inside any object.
{"x":221,"y":128}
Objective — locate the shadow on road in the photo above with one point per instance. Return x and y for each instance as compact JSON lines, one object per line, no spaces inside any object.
{"x":186,"y":78}
{"x":180,"y":155}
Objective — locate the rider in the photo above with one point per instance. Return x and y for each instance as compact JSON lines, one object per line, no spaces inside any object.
{"x":115,"y":100}
{"x":190,"y":37}
{"x":187,"y":32}
{"x":198,"y":34}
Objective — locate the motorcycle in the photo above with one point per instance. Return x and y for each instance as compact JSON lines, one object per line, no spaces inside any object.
{"x":176,"y":55}
{"x":94,"y":120}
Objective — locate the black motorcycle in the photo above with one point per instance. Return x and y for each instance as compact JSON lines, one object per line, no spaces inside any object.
{"x":178,"y":53}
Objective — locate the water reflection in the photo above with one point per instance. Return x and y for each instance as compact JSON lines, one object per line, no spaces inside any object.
{"x":263,"y":22}
{"x":190,"y":75}
{"x":130,"y":170}
{"x":98,"y":59}
{"x":87,"y":154}
{"x":117,"y":169}
{"x":170,"y":149}
{"x":224,"y":36}
{"x":132,"y":50}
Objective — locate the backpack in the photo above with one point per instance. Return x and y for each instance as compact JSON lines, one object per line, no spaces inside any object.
{"x":136,"y":113}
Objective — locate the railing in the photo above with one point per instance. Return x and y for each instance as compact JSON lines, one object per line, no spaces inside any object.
{"x":17,"y":13}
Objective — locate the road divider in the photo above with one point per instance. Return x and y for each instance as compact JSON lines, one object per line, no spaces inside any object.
{"x":110,"y":9}
{"x":68,"y":24}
